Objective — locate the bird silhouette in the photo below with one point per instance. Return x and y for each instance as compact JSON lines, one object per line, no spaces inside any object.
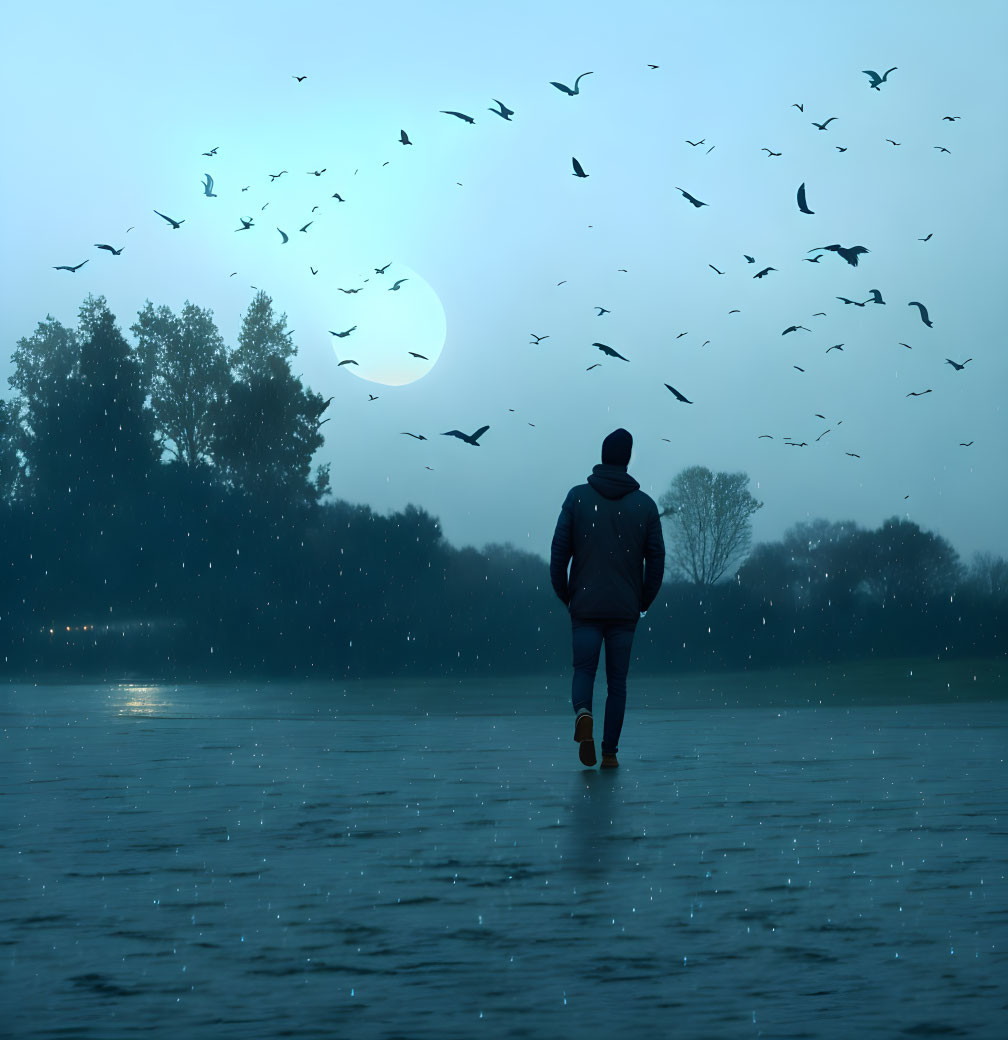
{"x":274,"y":176}
{"x":539,"y":339}
{"x":852,"y":454}
{"x":876,"y":297}
{"x":822,"y":126}
{"x":300,"y":79}
{"x":395,"y":288}
{"x":413,"y":353}
{"x":769,"y":153}
{"x":678,"y":396}
{"x":802,"y":204}
{"x":382,"y":270}
{"x":892,"y":142}
{"x":794,"y":328}
{"x":348,"y":361}
{"x":342,"y":334}
{"x":839,"y":149}
{"x":348,"y":291}
{"x":307,"y":226}
{"x":686,"y":195}
{"x":212,"y":152}
{"x":812,"y":259}
{"x":918,"y":393}
{"x":246,"y":224}
{"x":504,"y":113}
{"x":713,"y":268}
{"x":316,"y":173}
{"x":111,"y":249}
{"x":609,"y":350}
{"x":907,"y":345}
{"x":765,"y":271}
{"x":458,"y":115}
{"x":602,"y":310}
{"x":956,"y":365}
{"x":403,"y":139}
{"x":749,"y":259}
{"x":819,"y":314}
{"x":952,"y":119}
{"x":942,"y":148}
{"x":836,"y":346}
{"x":768,"y":436}
{"x":208,"y":187}
{"x":923,"y":312}
{"x":876,"y":79}
{"x":695,"y":143}
{"x":371,"y":397}
{"x":418,"y":436}
{"x":174,"y":223}
{"x":283,"y":235}
{"x":336,"y":195}
{"x":801,"y":107}
{"x":467,"y":437}
{"x":310,"y":268}
{"x":800,"y":370}
{"x":821,"y":435}
{"x":72,"y":270}
{"x":650,"y":66}
{"x":735,"y":310}
{"x":965,"y":444}
{"x":849,"y":253}
{"x":578,"y":170}
{"x":567,"y":90}
{"x":681,"y":334}
{"x":855,"y":302}
{"x":590,"y":367}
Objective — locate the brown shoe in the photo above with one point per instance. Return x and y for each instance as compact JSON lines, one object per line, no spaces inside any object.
{"x":608,"y":761}
{"x":583,"y":736}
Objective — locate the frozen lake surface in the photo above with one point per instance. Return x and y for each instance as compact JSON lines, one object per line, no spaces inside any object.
{"x":403,"y":861}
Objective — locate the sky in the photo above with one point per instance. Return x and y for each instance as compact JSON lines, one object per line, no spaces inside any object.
{"x":110,"y":107}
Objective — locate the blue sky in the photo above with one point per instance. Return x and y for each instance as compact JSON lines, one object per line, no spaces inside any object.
{"x":111,"y":105}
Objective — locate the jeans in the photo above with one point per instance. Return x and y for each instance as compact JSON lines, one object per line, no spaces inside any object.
{"x":588,"y":635}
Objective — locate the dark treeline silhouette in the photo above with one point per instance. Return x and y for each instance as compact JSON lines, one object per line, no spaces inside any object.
{"x":159,"y":519}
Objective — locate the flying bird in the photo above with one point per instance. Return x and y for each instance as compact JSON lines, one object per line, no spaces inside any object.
{"x":111,"y":249}
{"x":801,"y":107}
{"x":812,"y":259}
{"x":300,"y":79}
{"x":539,"y":339}
{"x":678,"y":396}
{"x":72,"y":270}
{"x":800,"y":370}
{"x":681,"y":334}
{"x":336,"y":195}
{"x":395,"y":288}
{"x":371,"y":397}
{"x":768,"y":436}
{"x":713,"y":268}
{"x":836,"y":346}
{"x":855,"y":302}
{"x":567,"y":90}
{"x":418,"y":436}
{"x":347,"y":290}
{"x":923,"y":312}
{"x":849,"y":253}
{"x":307,"y":226}
{"x":956,"y":365}
{"x":413,"y":353}
{"x":839,"y":149}
{"x":735,"y":310}
{"x":283,"y":235}
{"x":602,"y":310}
{"x":965,"y":444}
{"x":916,"y":393}
{"x":749,"y":259}
{"x":852,"y":454}
{"x":342,"y":334}
{"x":892,"y":142}
{"x":686,"y":195}
{"x":819,"y":314}
{"x":907,"y":345}
{"x":504,"y":113}
{"x":590,"y":367}
{"x":802,"y":204}
{"x":246,"y":224}
{"x":468,"y":438}
{"x":458,"y":115}
{"x":942,"y":148}
{"x":876,"y":79}
{"x":310,"y":268}
{"x":382,"y":270}
{"x":876,"y":297}
{"x":212,"y":152}
{"x":765,"y":271}
{"x":578,"y":169}
{"x":208,"y":187}
{"x":695,"y":143}
{"x":317,"y":173}
{"x":403,"y":139}
{"x":274,"y":176}
{"x":769,"y":153}
{"x":952,"y":119}
{"x":822,"y":126}
{"x":609,"y":350}
{"x":794,"y":328}
{"x":174,"y":223}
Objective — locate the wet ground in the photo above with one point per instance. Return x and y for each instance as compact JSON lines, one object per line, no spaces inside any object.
{"x":265,"y":861}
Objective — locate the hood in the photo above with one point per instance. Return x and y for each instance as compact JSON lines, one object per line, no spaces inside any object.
{"x":612,"y":481}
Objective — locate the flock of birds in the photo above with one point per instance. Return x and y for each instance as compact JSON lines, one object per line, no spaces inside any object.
{"x":851,"y":254}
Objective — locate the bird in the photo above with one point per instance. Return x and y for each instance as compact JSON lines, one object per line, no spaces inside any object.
{"x":590,"y":367}
{"x":822,"y":126}
{"x":232,"y":274}
{"x":681,"y":334}
{"x":371,"y":397}
{"x":174,"y":223}
{"x":310,"y":268}
{"x":504,"y":113}
{"x":403,"y":139}
{"x":72,"y":270}
{"x":284,"y":236}
{"x":812,"y":259}
{"x":926,"y":237}
{"x":800,"y":370}
{"x":768,"y":436}
{"x":923,"y":312}
{"x":713,"y":268}
{"x":907,"y":345}
{"x":336,"y":195}
{"x":836,"y":346}
{"x":678,"y":396}
{"x":413,"y":353}
{"x":307,"y":226}
{"x":418,"y":436}
{"x":852,"y":454}
{"x":892,"y":142}
{"x":246,"y":224}
{"x":317,"y":173}
{"x":602,"y":310}
{"x":212,"y":152}
{"x":965,"y":444}
{"x":567,"y":90}
{"x":578,"y":169}
{"x":821,"y":435}
{"x":111,"y":249}
{"x":609,"y":350}
{"x":472,"y":439}
{"x":819,"y":314}
{"x":769,"y":153}
{"x":314,"y":208}
{"x":916,"y":393}
{"x":765,"y":271}
{"x":382,"y":270}
{"x":458,"y":115}
{"x":839,"y":149}
{"x":702,"y":140}
{"x":274,"y":176}
{"x":261,"y":208}
{"x":348,"y":361}
{"x":801,"y":107}
{"x":952,"y":119}
{"x":794,"y":328}
{"x":855,"y":302}
{"x":539,"y":339}
{"x":956,"y":365}
{"x":735,"y":310}
{"x":876,"y":79}
{"x":686,"y":195}
{"x":802,"y":204}
{"x":342,"y":334}
{"x":208,"y":187}
{"x":650,"y":66}
{"x":347,"y":290}
{"x":876,"y":297}
{"x":300,"y":79}
{"x":942,"y":148}
{"x":849,"y":253}
{"x":749,"y":259}
{"x":395,"y":288}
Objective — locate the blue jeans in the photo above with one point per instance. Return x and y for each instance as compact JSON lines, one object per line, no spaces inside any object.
{"x":588,"y":635}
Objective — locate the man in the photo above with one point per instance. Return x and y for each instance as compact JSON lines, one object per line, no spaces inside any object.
{"x":613,"y":531}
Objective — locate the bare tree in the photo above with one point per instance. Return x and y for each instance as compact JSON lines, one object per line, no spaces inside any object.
{"x":709,"y":519}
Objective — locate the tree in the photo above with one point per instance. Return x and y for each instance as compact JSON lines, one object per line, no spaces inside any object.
{"x":185,"y":365}
{"x":988,"y":574}
{"x":906,"y":564}
{"x":10,"y":463}
{"x":709,"y":516}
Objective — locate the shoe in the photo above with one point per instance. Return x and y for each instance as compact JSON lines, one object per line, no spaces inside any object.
{"x":583,"y":735}
{"x":608,"y":761}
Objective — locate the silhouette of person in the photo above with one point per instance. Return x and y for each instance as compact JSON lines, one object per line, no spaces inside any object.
{"x":613,"y":531}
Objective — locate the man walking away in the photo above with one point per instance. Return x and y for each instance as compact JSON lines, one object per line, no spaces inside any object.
{"x":613,"y":531}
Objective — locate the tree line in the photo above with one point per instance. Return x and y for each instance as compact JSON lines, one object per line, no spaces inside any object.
{"x":160,"y":516}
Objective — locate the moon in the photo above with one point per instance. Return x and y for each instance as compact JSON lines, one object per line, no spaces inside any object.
{"x":390,"y":325}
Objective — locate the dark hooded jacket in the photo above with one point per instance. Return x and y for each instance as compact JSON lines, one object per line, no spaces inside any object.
{"x":613,"y":531}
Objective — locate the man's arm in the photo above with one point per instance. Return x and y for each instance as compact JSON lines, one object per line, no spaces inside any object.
{"x":654,"y":559}
{"x":561,"y":551}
